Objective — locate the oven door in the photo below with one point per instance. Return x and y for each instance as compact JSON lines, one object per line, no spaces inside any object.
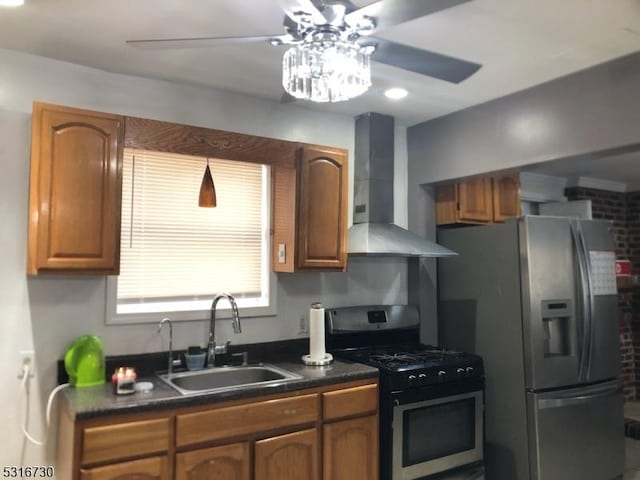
{"x":436,"y":434}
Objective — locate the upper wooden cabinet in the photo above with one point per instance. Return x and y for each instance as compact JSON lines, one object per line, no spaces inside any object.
{"x":75,"y":190}
{"x":479,"y":200}
{"x":310,"y":212}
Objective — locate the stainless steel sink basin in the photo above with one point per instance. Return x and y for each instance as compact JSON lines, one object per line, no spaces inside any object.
{"x":220,"y":379}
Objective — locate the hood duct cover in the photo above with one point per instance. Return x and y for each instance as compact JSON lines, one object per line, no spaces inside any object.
{"x":373,"y":232}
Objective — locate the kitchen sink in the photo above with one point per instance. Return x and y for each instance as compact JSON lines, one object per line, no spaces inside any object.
{"x":221,"y":379}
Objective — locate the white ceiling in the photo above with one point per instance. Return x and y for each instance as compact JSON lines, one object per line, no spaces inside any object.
{"x":520,"y":43}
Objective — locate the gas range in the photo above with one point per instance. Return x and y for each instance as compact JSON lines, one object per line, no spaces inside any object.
{"x":431,"y":399}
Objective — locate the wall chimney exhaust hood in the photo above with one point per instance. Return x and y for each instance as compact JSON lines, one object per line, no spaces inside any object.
{"x":373,"y":232}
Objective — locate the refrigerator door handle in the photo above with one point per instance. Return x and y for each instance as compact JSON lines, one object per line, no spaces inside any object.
{"x":567,"y":401}
{"x":584,"y":302}
{"x":590,"y":300}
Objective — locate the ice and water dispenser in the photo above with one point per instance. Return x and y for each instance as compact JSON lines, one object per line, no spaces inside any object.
{"x":558,"y":327}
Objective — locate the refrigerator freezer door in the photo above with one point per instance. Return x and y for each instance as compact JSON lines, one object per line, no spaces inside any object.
{"x":603,"y":361}
{"x":577,"y":434}
{"x":552,"y":312}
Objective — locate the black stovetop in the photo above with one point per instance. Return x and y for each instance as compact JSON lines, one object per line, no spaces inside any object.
{"x":400,"y":358}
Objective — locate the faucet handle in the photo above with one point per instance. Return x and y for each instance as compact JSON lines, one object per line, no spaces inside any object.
{"x":220,"y":349}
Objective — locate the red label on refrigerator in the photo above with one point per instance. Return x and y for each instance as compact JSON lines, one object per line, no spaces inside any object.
{"x":623,"y":268}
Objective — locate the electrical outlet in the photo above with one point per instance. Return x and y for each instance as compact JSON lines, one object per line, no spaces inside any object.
{"x":27,"y":357}
{"x":303,"y":326}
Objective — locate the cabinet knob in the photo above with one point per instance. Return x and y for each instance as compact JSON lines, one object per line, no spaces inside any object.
{"x":460,"y":371}
{"x":469,"y":369}
{"x":442,"y":373}
{"x":412,"y":377}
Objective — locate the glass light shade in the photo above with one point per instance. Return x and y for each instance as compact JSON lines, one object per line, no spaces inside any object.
{"x":323,"y":71}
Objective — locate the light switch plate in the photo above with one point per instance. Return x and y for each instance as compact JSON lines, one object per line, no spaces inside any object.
{"x":282,"y":253}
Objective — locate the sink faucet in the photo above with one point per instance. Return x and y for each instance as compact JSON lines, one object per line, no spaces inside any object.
{"x":171,"y":360}
{"x":212,"y":349}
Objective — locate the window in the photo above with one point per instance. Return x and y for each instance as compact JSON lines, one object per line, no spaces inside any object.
{"x":174,"y":255}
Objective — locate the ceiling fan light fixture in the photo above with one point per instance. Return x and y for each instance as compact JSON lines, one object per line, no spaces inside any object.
{"x":326,"y":70}
{"x":11,"y":3}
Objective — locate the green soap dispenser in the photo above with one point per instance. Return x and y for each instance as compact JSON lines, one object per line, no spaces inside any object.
{"x":84,"y":362}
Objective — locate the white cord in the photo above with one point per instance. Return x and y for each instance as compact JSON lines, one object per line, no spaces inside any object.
{"x":25,"y":378}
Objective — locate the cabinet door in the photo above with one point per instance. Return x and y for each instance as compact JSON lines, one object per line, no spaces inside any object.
{"x":322,"y":209}
{"x":351,"y":449}
{"x":156,"y":468}
{"x":475,"y":200}
{"x":447,"y":204}
{"x":75,"y":189}
{"x":506,"y":197}
{"x":288,"y":457}
{"x":228,"y":462}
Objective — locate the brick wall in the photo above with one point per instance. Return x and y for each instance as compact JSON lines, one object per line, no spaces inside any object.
{"x":624,"y":210}
{"x":633,"y":227}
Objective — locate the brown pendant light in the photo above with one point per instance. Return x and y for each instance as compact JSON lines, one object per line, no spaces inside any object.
{"x":207,"y":190}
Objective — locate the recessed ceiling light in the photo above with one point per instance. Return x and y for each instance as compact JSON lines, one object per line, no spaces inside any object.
{"x":396,"y":93}
{"x":11,"y":3}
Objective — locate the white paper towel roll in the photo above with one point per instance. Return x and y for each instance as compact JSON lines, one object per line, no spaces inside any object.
{"x":316,"y":332}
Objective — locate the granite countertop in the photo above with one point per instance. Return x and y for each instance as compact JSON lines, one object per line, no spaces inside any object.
{"x":100,"y":401}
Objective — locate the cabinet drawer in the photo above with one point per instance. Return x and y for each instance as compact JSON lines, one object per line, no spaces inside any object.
{"x":245,"y":419}
{"x":124,"y":440}
{"x":350,"y":401}
{"x":155,"y":468}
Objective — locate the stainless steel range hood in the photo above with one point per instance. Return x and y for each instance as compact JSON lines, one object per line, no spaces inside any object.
{"x":373,"y":232}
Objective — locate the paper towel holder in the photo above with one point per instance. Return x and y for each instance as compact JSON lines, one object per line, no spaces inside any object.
{"x":326,"y":360}
{"x":317,"y":354}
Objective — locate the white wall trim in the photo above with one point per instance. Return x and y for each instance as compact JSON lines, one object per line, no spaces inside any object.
{"x":536,"y":187}
{"x":600,"y":184}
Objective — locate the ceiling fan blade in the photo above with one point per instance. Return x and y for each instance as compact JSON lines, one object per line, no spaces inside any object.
{"x":293,"y":8}
{"x":424,"y":62}
{"x":287,"y":98}
{"x":393,"y":12}
{"x":203,"y":42}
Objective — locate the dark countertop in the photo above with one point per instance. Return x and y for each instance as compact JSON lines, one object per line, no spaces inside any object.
{"x":90,"y":402}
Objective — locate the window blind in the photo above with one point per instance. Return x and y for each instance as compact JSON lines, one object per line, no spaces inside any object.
{"x":171,"y":249}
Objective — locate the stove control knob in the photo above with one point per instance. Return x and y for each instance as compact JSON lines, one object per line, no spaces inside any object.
{"x":460,"y":371}
{"x":422,"y":375}
{"x":412,"y":377}
{"x":469,"y":369}
{"x":442,"y":373}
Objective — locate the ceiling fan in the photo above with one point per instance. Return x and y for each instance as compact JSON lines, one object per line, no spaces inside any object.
{"x":331,"y":43}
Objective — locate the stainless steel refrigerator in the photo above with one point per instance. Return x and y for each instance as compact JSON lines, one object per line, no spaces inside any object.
{"x":536,"y":297}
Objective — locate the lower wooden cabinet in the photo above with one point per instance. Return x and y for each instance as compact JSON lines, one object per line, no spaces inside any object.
{"x":350,"y":449}
{"x":227,"y":462}
{"x":328,"y":433}
{"x":154,"y":468}
{"x":288,"y":457}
